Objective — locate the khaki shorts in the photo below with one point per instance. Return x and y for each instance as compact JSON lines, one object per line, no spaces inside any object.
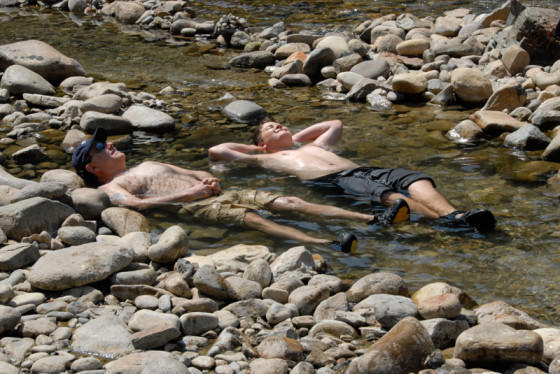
{"x":229,"y":207}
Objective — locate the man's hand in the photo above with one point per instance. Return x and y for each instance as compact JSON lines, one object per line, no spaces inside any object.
{"x":205,"y":188}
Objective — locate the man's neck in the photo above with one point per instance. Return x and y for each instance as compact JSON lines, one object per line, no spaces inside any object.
{"x":104,"y":179}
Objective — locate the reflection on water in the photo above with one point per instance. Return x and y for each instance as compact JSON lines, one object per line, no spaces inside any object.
{"x":519,"y":263}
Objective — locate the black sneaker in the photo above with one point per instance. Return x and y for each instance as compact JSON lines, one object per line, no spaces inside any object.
{"x":483,"y":221}
{"x":397,"y":212}
{"x":346,"y":244}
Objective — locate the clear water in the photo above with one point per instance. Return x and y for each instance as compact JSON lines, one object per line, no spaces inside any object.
{"x":519,"y":263}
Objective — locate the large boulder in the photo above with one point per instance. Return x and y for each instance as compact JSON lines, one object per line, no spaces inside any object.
{"x":106,"y":336}
{"x":148,"y":119}
{"x":20,"y":80}
{"x":33,"y":216}
{"x":471,"y":85}
{"x":40,"y":58}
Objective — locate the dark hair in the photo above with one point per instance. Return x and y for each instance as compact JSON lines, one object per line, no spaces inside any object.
{"x":257,"y":137}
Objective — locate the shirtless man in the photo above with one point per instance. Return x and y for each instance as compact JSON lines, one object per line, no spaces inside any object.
{"x":199,"y":193}
{"x":315,"y":164}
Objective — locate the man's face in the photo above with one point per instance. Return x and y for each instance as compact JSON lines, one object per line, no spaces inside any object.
{"x":275,"y":135}
{"x":105,"y":157}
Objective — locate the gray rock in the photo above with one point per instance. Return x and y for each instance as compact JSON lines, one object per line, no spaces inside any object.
{"x":9,"y":318}
{"x":443,"y":331}
{"x":106,"y":336}
{"x":244,"y":111}
{"x":197,"y":323}
{"x":34,"y":215}
{"x":296,"y":80}
{"x":307,"y":298}
{"x":40,"y":326}
{"x":78,"y":266}
{"x":124,"y":221}
{"x":44,"y":100}
{"x":327,"y":308}
{"x":249,"y":308}
{"x":257,"y":59}
{"x":49,"y":190}
{"x":296,"y":262}
{"x":90,"y":121}
{"x":337,"y":329}
{"x":148,"y":319}
{"x":67,"y":177}
{"x":242,"y":289}
{"x":76,"y":235}
{"x":77,"y":6}
{"x":259,"y":271}
{"x":377,"y":283}
{"x":372,"y":69}
{"x":552,"y":151}
{"x":40,"y":58}
{"x":148,"y":119}
{"x":17,"y":256}
{"x":128,"y":12}
{"x":499,"y":311}
{"x":137,"y":362}
{"x":5,"y":109}
{"x":269,"y":366}
{"x":5,"y":367}
{"x":332,"y":282}
{"x":52,"y":364}
{"x":349,"y":79}
{"x":100,"y":88}
{"x":547,"y":115}
{"x":32,"y":154}
{"x":388,"y":309}
{"x":278,"y":313}
{"x":237,"y":258}
{"x":318,"y":59}
{"x":140,"y":276}
{"x":19,"y":80}
{"x":361,"y":89}
{"x":90,"y":202}
{"x":377,"y":102}
{"x":107,"y":103}
{"x":172,"y":244}
{"x":86,"y":363}
{"x":67,"y":85}
{"x":209,"y":281}
{"x":528,"y":137}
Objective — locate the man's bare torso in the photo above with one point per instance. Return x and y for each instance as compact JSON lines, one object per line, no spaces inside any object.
{"x":152,"y":179}
{"x":307,"y":162}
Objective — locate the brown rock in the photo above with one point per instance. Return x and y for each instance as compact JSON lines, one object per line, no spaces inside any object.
{"x":494,"y":122}
{"x":499,"y":311}
{"x":515,"y":59}
{"x":281,"y":347}
{"x":506,"y":97}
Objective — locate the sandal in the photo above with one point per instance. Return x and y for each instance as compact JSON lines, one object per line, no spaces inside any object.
{"x":346,"y":244}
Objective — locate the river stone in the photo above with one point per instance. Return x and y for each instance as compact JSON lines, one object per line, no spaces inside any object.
{"x":295,"y":262}
{"x":377,"y":283}
{"x":362,"y":89}
{"x":18,"y":255}
{"x":541,"y":79}
{"x":242,"y":289}
{"x":244,"y":111}
{"x":438,"y":288}
{"x":552,"y":152}
{"x":78,"y":266}
{"x":52,"y":364}
{"x":67,"y":177}
{"x":5,"y":110}
{"x":147,"y":319}
{"x":332,"y":328}
{"x":506,"y":97}
{"x":496,"y":70}
{"x":236,"y":259}
{"x":148,"y":119}
{"x":343,"y":64}
{"x":336,"y":43}
{"x":388,"y":309}
{"x":377,"y":102}
{"x":90,"y":202}
{"x":136,"y":362}
{"x":387,"y":43}
{"x":278,"y":313}
{"x":402,"y":350}
{"x":209,"y":281}
{"x":9,"y":318}
{"x":77,"y":6}
{"x":29,"y":155}
{"x":372,"y":69}
{"x":471,"y":85}
{"x":249,"y":308}
{"x":124,"y":221}
{"x":269,"y":366}
{"x":86,"y":363}
{"x":493,"y":343}
{"x":499,"y":311}
{"x":296,"y":80}
{"x":257,"y":59}
{"x":40,"y":58}
{"x":528,"y":137}
{"x":138,"y":276}
{"x":44,"y":100}
{"x":172,"y":244}
{"x":197,"y":323}
{"x":334,"y":283}
{"x":176,"y":284}
{"x":445,"y":305}
{"x":382,"y":30}
{"x":281,"y":347}
{"x":494,"y":123}
{"x":76,"y":235}
{"x":40,"y":326}
{"x":294,"y":67}
{"x":409,"y":83}
{"x":348,"y":79}
{"x":100,"y":88}
{"x":276,"y":294}
{"x":286,"y":50}
{"x":547,"y":115}
{"x":5,"y":367}
{"x":107,"y":103}
{"x":327,"y":308}
{"x":20,"y":80}
{"x":307,"y":298}
{"x":33,"y":298}
{"x":105,"y":336}
{"x":154,"y":337}
{"x":128,"y":12}
{"x":259,"y":271}
{"x":551,"y":343}
{"x":9,"y":180}
{"x":447,"y":26}
{"x":515,"y":59}
{"x":443,"y":331}
{"x":316,"y":60}
{"x":31,"y":216}
{"x":413,"y":47}
{"x":115,"y":125}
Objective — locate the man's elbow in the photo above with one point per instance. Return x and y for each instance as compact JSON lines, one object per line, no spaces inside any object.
{"x":215,"y":152}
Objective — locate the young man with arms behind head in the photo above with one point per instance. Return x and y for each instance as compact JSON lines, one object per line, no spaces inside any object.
{"x":200,"y":195}
{"x":316,"y":165}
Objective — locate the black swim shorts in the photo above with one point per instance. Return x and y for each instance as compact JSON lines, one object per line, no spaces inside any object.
{"x":370,"y":182}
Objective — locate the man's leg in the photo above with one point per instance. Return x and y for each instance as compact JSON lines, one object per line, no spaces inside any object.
{"x":424,"y":192}
{"x":389,"y":198}
{"x":295,"y":204}
{"x":257,"y":222}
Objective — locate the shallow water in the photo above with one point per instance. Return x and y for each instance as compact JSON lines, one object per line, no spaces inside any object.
{"x":519,"y":263}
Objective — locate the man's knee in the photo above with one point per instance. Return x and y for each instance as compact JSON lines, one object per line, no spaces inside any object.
{"x":289,"y":202}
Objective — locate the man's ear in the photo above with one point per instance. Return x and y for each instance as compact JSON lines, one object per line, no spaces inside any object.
{"x":90,"y":168}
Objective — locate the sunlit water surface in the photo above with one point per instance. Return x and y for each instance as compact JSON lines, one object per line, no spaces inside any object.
{"x":518,"y":263}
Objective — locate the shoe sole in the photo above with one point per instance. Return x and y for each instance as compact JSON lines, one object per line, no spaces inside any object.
{"x":403,"y":214}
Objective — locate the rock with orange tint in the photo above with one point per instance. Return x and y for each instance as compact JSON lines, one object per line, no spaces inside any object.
{"x":446,"y":305}
{"x":494,"y":123}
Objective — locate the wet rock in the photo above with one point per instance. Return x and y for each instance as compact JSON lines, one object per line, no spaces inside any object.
{"x":506,"y":97}
{"x":493,"y":343}
{"x":34,"y":215}
{"x":294,"y":67}
{"x":335,"y":43}
{"x":296,"y":262}
{"x":372,"y":69}
{"x":32,"y":154}
{"x":19,"y":80}
{"x":443,"y":331}
{"x":105,"y":336}
{"x":528,"y":137}
{"x":316,"y":60}
{"x":148,"y":119}
{"x":494,"y":123}
{"x":281,"y":347}
{"x":52,"y":65}
{"x":377,"y":283}
{"x":446,"y":305}
{"x":124,"y":221}
{"x":148,"y":319}
{"x":499,"y":311}
{"x":17,"y":256}
{"x":90,"y":202}
{"x":402,"y":350}
{"x":90,"y":121}
{"x":242,"y":289}
{"x":388,"y":309}
{"x":257,"y":59}
{"x":465,"y":131}
{"x":471,"y":85}
{"x":9,"y":318}
{"x":244,"y":111}
{"x":197,"y":323}
{"x":172,"y":244}
{"x":269,"y":366}
{"x":78,"y":266}
{"x":210,"y":282}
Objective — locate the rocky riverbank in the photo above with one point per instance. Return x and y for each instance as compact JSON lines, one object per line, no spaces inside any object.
{"x":85,"y":287}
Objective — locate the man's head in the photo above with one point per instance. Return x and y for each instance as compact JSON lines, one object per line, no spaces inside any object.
{"x":95,"y":160}
{"x":272,"y":134}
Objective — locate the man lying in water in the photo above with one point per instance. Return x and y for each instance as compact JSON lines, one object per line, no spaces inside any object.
{"x":154,"y":183}
{"x":315,"y":164}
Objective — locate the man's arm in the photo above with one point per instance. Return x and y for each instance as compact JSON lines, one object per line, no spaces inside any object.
{"x":121,"y":197}
{"x":322,"y":134}
{"x":234,"y":152}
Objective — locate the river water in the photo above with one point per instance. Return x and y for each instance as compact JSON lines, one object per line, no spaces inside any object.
{"x":518,"y":263}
